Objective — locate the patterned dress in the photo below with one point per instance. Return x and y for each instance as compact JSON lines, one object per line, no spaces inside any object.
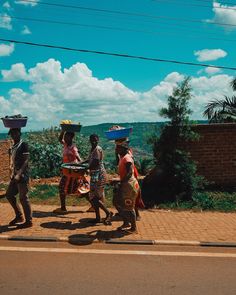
{"x":127,"y":192}
{"x":98,"y":177}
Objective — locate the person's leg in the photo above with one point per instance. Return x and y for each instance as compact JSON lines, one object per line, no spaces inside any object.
{"x":62,"y":195}
{"x":95,"y":203}
{"x":24,"y":199}
{"x":101,"y":198}
{"x":132,"y":219}
{"x":11,"y":193}
{"x":138,"y":217}
{"x":125,"y":216}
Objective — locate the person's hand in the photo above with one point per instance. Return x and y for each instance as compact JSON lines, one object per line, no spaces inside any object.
{"x":17,"y":176}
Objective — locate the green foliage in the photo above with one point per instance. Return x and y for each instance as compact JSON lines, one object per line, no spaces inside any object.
{"x":44,"y":192}
{"x":205,"y":201}
{"x":46,"y":152}
{"x":176,"y":179}
{"x":222,"y":110}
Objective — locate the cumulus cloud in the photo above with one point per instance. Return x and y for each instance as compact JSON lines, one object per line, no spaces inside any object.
{"x":74,"y":93}
{"x":212,"y":71}
{"x":6,"y":50}
{"x":26,"y":3}
{"x":5,"y":21}
{"x":209,"y":54}
{"x":224,"y":14}
{"x":16,"y":73}
{"x":25,"y":31}
{"x":6,"y":5}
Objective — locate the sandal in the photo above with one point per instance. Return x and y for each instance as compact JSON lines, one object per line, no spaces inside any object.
{"x":131,"y":230}
{"x":60,"y":211}
{"x":107,"y":220}
{"x":123,"y":226}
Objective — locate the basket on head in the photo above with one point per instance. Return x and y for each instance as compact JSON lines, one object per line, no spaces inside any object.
{"x":14,"y":122}
{"x":70,"y":127}
{"x":118,"y":133}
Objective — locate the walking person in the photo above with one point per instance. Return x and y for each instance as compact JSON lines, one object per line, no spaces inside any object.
{"x":67,"y":185}
{"x":97,"y":181}
{"x":126,"y":194}
{"x":138,"y":202}
{"x":19,"y":181}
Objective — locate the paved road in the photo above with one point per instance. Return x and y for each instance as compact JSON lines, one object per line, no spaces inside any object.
{"x":58,"y":268}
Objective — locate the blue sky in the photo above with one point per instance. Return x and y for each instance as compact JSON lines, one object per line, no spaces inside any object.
{"x":48,"y":85}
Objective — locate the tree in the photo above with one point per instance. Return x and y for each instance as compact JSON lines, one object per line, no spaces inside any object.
{"x":233,"y":84}
{"x":174,"y":178}
{"x":222,"y":110}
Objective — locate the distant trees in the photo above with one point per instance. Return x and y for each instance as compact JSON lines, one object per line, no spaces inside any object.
{"x":222,"y":110}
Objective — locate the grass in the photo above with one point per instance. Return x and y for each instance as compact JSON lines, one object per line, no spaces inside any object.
{"x":47,"y":194}
{"x":208,"y":200}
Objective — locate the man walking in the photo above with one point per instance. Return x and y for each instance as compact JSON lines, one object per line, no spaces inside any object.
{"x":19,"y":158}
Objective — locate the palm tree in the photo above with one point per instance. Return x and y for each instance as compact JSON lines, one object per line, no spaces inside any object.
{"x":222,"y":110}
{"x":233,"y":84}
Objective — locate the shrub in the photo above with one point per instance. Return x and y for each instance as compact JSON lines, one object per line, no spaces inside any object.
{"x":46,"y":152}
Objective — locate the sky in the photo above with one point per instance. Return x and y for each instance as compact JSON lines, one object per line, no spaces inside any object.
{"x":50,"y":84}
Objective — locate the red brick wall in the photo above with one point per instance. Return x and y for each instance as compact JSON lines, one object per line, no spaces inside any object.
{"x":215,"y":152}
{"x":4,"y":160}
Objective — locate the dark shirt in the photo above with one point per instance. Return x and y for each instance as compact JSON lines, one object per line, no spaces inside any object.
{"x":21,"y":149}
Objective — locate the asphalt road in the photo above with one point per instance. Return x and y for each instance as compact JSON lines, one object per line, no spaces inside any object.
{"x":60,"y":268}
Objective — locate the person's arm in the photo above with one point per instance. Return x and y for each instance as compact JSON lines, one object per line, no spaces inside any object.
{"x":129,"y":172}
{"x":117,"y":158}
{"x":61,"y":136}
{"x":22,"y":168}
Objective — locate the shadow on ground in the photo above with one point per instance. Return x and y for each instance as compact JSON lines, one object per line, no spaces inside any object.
{"x":44,"y":214}
{"x":6,"y":228}
{"x":100,"y":235}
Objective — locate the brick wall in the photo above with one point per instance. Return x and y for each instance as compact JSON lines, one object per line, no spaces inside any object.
{"x":215,"y":152}
{"x":4,"y":160}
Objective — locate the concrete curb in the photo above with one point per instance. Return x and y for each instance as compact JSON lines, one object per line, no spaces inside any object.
{"x":117,"y":241}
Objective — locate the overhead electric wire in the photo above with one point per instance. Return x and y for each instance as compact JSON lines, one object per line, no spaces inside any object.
{"x":125,"y":29}
{"x":117,"y":54}
{"x":129,"y":13}
{"x":196,"y":5}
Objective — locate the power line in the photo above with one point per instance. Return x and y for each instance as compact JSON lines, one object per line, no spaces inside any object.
{"x":117,"y":54}
{"x":129,"y":13}
{"x":197,"y":5}
{"x":119,"y":28}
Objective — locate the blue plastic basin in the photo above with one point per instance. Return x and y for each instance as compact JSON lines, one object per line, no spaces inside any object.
{"x":117,"y":134}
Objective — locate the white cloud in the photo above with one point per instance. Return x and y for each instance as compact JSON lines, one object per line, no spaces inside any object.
{"x":16,"y":73}
{"x":209,"y":54}
{"x":31,"y":3}
{"x":6,"y":5}
{"x":224,"y":14}
{"x":5,"y":21}
{"x":25,"y":31}
{"x":58,"y":93}
{"x":212,"y":71}
{"x":6,"y":50}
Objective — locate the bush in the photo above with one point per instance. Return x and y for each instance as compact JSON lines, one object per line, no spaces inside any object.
{"x":46,"y":152}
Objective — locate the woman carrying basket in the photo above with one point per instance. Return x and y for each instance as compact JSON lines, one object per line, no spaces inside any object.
{"x":127,"y":192}
{"x":67,"y":185}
